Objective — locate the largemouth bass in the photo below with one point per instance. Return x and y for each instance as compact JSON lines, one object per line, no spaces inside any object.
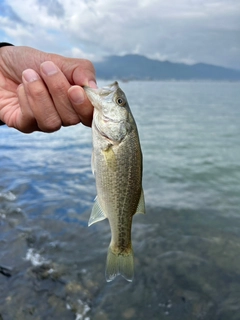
{"x":117,"y":166}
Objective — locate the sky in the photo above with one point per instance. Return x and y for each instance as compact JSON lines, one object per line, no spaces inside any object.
{"x":188,"y":31}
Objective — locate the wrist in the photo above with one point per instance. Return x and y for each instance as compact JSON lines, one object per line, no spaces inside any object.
{"x":4,"y":44}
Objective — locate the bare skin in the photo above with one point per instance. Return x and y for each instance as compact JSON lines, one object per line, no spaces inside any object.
{"x":42,"y":91}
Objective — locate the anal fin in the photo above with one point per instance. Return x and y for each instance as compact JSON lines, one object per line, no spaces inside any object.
{"x":141,"y":204}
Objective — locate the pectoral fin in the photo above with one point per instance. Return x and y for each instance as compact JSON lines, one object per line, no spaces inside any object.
{"x":92,"y":164}
{"x":110,"y":157}
{"x":141,"y":204}
{"x":97,"y":214}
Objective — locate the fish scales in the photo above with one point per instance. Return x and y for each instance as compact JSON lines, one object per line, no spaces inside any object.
{"x":118,"y":190}
{"x":117,"y":166}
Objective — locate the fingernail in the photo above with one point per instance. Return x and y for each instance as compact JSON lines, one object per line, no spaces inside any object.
{"x":92,"y":84}
{"x":76,"y":95}
{"x":30,"y":75}
{"x":49,"y":68}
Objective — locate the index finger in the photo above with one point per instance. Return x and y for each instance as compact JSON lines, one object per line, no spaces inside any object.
{"x":81,"y":104}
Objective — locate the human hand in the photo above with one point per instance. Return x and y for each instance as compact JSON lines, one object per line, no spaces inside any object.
{"x":42,"y":91}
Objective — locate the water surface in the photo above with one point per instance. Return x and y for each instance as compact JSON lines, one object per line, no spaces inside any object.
{"x":187,"y":246}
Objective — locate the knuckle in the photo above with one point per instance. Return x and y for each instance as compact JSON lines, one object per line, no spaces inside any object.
{"x":51,"y":124}
{"x":88,"y":65}
{"x":58,"y":87}
{"x":38,"y":92}
{"x":29,"y":126}
{"x":71,"y":120}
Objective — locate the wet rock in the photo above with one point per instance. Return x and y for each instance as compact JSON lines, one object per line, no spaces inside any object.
{"x":129,"y":313}
{"x":101,"y":315}
{"x":57,"y":303}
{"x":7,"y":272}
{"x":73,"y":287}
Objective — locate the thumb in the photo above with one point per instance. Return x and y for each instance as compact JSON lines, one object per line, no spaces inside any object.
{"x":79,"y":72}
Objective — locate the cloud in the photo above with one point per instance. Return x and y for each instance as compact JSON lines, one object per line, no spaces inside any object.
{"x":177,"y":30}
{"x":54,"y":7}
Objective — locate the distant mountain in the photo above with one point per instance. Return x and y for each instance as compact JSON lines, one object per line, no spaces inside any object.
{"x":138,"y":67}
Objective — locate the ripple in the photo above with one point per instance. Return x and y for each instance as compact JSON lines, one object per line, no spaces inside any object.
{"x":8,"y":196}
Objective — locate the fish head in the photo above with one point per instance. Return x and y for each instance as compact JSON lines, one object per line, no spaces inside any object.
{"x":112,"y":115}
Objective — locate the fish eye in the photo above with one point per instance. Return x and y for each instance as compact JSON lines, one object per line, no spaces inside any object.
{"x":120,"y":101}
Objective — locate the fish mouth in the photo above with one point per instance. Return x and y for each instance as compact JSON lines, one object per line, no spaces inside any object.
{"x":108,"y":89}
{"x":104,"y":92}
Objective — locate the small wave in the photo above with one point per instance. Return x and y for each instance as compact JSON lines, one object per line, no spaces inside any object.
{"x":8,"y":196}
{"x":82,"y":309}
{"x":35,"y":258}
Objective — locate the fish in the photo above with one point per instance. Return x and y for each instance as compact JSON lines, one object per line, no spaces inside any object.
{"x":117,"y":167}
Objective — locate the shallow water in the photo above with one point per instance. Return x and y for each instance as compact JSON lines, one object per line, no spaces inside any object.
{"x":187,"y":262}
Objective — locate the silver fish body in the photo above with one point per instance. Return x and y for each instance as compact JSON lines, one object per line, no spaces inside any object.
{"x":117,"y":166}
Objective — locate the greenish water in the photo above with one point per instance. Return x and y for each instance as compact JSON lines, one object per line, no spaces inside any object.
{"x":187,"y":263}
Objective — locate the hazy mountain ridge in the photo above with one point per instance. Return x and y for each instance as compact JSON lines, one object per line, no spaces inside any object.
{"x":139,"y":67}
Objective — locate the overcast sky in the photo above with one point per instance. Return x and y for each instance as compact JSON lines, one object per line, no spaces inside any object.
{"x":187,"y":31}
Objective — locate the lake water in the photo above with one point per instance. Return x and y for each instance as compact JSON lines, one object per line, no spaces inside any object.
{"x":187,"y":246}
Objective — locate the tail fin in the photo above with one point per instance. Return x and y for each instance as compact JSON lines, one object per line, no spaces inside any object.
{"x":119,"y":264}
